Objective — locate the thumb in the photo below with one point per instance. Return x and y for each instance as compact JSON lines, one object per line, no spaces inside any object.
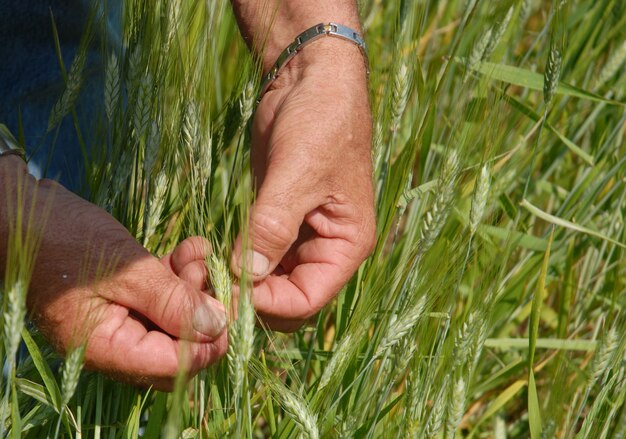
{"x":174,"y":305}
{"x":274,"y":225}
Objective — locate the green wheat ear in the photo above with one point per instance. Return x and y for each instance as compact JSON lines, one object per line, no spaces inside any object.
{"x":552,"y":75}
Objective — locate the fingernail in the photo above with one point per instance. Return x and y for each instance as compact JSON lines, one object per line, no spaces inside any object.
{"x":209,"y":321}
{"x":259,"y":264}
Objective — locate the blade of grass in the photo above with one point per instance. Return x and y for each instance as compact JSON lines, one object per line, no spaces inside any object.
{"x":567,"y":224}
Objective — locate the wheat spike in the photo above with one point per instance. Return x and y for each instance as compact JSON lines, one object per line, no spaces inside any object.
{"x":246,"y":104}
{"x":604,"y":354}
{"x":221,"y":280}
{"x":156,"y":204}
{"x":340,"y":358}
{"x":142,"y":106}
{"x":67,"y":101}
{"x":437,"y":216}
{"x":496,"y":34}
{"x":456,"y":406}
{"x":241,"y":340}
{"x":299,"y":412}
{"x":478,"y":51}
{"x":14,"y":318}
{"x":401,"y":93}
{"x":435,"y":420}
{"x":552,"y":75}
{"x":479,"y":200}
{"x":191,"y":125}
{"x":614,"y":63}
{"x":401,"y":327}
{"x":71,"y":373}
{"x":112,"y":87}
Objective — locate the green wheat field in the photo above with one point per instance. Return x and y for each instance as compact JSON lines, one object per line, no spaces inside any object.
{"x":494,"y":303}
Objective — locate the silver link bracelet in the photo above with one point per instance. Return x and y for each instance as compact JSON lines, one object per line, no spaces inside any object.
{"x":305,"y":38}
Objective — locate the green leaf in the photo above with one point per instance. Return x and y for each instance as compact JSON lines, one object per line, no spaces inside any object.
{"x":534,"y":81}
{"x":44,"y":370}
{"x":542,"y":343}
{"x":34,"y":390}
{"x":521,"y":239}
{"x":16,"y":419}
{"x":567,"y":224}
{"x":534,"y":412}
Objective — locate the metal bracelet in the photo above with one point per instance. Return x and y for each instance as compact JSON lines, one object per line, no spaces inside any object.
{"x":308,"y":36}
{"x":8,"y":145}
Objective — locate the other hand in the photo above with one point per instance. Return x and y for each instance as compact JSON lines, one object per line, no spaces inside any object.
{"x":143,"y":320}
{"x":313,"y":222}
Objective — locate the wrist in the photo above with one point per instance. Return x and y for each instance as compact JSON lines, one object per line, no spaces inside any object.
{"x":269,"y":27}
{"x":327,"y":57}
{"x":282,"y":35}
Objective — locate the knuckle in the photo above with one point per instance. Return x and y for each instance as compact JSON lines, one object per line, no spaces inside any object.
{"x":199,"y":246}
{"x":271,"y":233}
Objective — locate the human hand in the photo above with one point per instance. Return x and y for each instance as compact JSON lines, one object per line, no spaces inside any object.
{"x":143,"y":320}
{"x":313,"y":220}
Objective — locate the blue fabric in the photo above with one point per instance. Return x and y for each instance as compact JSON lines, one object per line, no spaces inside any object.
{"x":31,"y":81}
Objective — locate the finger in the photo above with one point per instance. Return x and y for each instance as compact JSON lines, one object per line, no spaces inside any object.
{"x":122,"y":347}
{"x":169,"y":302}
{"x":196,"y":274}
{"x":324,"y":266}
{"x":274,"y":225}
{"x":191,"y":249}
